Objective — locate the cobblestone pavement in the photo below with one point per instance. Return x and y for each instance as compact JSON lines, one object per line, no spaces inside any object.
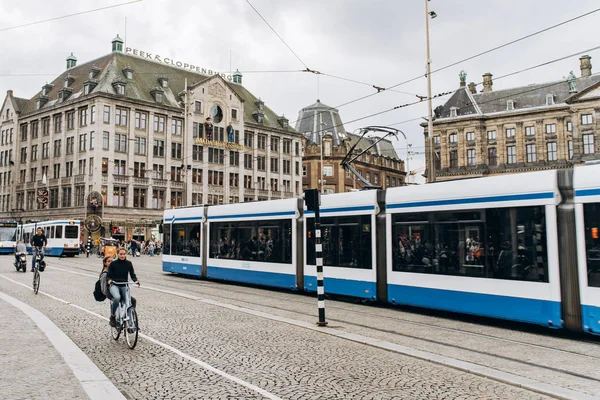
{"x":31,"y":367}
{"x":284,"y":361}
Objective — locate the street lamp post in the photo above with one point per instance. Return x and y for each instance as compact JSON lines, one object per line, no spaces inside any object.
{"x":431,"y":165}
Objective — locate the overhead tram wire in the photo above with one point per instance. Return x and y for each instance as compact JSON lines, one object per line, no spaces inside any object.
{"x":69,"y":15}
{"x":467,"y":59}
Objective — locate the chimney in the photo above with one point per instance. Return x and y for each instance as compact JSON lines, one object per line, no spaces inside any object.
{"x":487,"y":82}
{"x":585,"y":65}
{"x":9,"y":93}
{"x":472,"y":88}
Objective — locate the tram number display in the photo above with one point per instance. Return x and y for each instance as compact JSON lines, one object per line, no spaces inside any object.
{"x":8,"y":224}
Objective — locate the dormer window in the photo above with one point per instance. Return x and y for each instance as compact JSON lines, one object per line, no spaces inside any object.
{"x":260,"y":104}
{"x":510,"y":105}
{"x":119,"y":86}
{"x":164,"y":81}
{"x":46,"y":89}
{"x":283,"y":121}
{"x":87,"y":89}
{"x":453,"y":112}
{"x":93,"y":73}
{"x":549,"y":99}
{"x":128,"y":72}
{"x":158,"y":94}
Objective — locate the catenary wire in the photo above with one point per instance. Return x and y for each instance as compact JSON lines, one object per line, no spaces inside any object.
{"x":69,"y":15}
{"x":468,"y":58}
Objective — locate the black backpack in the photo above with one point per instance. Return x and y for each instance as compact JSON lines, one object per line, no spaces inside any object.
{"x":98,"y":295}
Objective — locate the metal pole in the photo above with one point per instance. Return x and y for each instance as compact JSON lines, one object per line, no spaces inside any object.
{"x":321,"y":134}
{"x":431,"y":165}
{"x":319,"y":263}
{"x":185,"y":139}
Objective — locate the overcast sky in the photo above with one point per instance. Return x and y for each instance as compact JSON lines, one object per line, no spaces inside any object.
{"x":379,"y":42}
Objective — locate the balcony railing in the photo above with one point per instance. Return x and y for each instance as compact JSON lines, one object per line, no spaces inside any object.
{"x":176,"y":185}
{"x":53,"y":181}
{"x":276,"y":193}
{"x":66,"y":180}
{"x":121,"y":178}
{"x":104,"y":179}
{"x":30,"y":185}
{"x":159,"y":182}
{"x":249,"y":192}
{"x":79,"y":178}
{"x":262,"y":192}
{"x":140,"y":181}
{"x":19,"y":187}
{"x":215,"y":189}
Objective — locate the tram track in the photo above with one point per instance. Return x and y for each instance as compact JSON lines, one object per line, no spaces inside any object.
{"x":197,"y":283}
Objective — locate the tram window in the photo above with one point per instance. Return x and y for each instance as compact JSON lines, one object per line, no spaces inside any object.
{"x":268,"y":241}
{"x":591,"y":216}
{"x":346,"y":242}
{"x":502,"y":243}
{"x":71,"y":232}
{"x":59,"y":231}
{"x":186,"y":240}
{"x":51,"y":236}
{"x":167,"y":239}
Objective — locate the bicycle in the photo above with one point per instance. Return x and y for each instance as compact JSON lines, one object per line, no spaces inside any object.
{"x":126,"y":317}
{"x":36,"y":269}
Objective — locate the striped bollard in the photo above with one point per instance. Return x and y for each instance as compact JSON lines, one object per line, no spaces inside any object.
{"x":313,"y":201}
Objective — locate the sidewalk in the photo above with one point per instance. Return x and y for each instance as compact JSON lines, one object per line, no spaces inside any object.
{"x":33,"y":368}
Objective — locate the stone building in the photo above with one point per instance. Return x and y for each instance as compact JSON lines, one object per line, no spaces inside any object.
{"x":126,"y":126}
{"x":324,"y":133}
{"x":535,"y":127}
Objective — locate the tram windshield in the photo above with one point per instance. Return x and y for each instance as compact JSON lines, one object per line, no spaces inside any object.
{"x":591,"y":215}
{"x":8,"y":232}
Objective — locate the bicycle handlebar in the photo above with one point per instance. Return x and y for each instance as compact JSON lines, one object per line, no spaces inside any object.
{"x":124,"y":283}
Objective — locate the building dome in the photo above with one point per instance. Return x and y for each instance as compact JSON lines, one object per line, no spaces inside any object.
{"x":317,"y":118}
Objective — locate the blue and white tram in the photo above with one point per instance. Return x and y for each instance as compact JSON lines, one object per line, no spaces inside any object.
{"x":183,"y":235}
{"x":255,"y":243}
{"x":587,"y":217}
{"x":63,"y":236}
{"x":349,"y":236}
{"x":484,"y":246}
{"x":8,"y":237}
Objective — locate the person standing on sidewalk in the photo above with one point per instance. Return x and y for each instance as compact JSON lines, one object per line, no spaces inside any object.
{"x":37,"y":241}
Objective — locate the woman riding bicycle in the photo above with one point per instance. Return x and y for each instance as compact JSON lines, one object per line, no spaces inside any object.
{"x":119,"y":271}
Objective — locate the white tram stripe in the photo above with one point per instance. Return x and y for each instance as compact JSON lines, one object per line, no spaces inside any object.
{"x":204,"y":365}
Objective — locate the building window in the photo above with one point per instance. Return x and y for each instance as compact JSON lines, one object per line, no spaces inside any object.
{"x":197,"y":153}
{"x":453,"y":112}
{"x":510,"y":133}
{"x":248,"y":142}
{"x":139,"y":198}
{"x":304,"y":170}
{"x":104,"y":166}
{"x":119,"y":196}
{"x":56,"y":171}
{"x":57,"y":145}
{"x":34,"y":152}
{"x":215,"y":178}
{"x":234,"y":158}
{"x":176,"y":198}
{"x":297,"y":168}
{"x":471,"y":157}
{"x":57,"y":123}
{"x":139,"y":145}
{"x":79,"y":196}
{"x":45,"y":150}
{"x":140,"y":120}
{"x":93,"y":115}
{"x":234,"y":180}
{"x":24,"y":133}
{"x":197,"y":106}
{"x":119,"y":167}
{"x":70,"y":145}
{"x":248,"y":161}
{"x":327,"y":149}
{"x":550,"y":128}
{"x":158,"y":171}
{"x":569,"y":126}
{"x":511,"y":155}
{"x":158,"y":199}
{"x":234,"y":114}
{"x":106,"y":116}
{"x":549,"y":99}
{"x":453,"y":138}
{"x":216,"y":156}
{"x":82,"y":167}
{"x":530,"y":131}
{"x":159,"y":124}
{"x":92,"y":140}
{"x":196,"y":175}
{"x":67,"y":195}
{"x":261,"y":141}
{"x":121,"y":117}
{"x":531,"y":153}
{"x":176,"y":150}
{"x":176,"y":126}
{"x":510,"y":105}
{"x":158,"y":149}
{"x":297,"y":148}
{"x":588,"y":144}
{"x":470,"y":136}
{"x":274,"y":164}
{"x":436,"y":140}
{"x":570,"y":148}
{"x":287,"y":166}
{"x":491,"y":135}
{"x":83,"y":112}
{"x":121,"y":143}
{"x":552,"y":153}
{"x":46,"y":126}
{"x":327,"y":170}
{"x":105,"y":140}
{"x":454,"y":159}
{"x":53,"y":201}
{"x":586,"y":119}
{"x":82,"y":141}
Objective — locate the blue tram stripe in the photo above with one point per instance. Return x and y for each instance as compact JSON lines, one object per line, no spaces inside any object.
{"x":343,"y":209}
{"x":474,"y":200}
{"x":271,"y":214}
{"x":587,"y":192}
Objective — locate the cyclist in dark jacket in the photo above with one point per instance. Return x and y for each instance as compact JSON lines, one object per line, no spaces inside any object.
{"x":37,"y":241}
{"x":119,"y":271}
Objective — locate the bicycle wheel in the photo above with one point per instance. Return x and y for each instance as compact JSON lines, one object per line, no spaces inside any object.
{"x":131,"y":329}
{"x":115,"y":332}
{"x":36,"y":281}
